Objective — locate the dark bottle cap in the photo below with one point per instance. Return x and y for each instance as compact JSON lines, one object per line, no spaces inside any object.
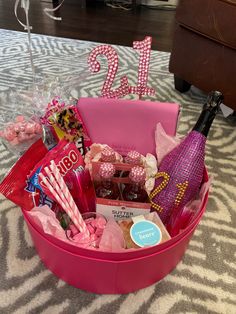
{"x":214,"y":99}
{"x":210,"y":109}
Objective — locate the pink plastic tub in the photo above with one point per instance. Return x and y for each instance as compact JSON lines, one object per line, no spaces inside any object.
{"x":130,"y":125}
{"x":100,"y":275}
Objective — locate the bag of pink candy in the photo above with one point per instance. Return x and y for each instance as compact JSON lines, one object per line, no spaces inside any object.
{"x":48,"y":110}
{"x":19,"y":126}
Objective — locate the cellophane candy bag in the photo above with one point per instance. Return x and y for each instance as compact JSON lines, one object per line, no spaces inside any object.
{"x":19,"y":126}
{"x":59,"y":112}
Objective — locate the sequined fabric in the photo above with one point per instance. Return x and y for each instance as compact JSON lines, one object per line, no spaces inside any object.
{"x":184,"y":167}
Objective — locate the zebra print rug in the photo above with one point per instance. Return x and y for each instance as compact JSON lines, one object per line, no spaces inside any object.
{"x":204,"y":282}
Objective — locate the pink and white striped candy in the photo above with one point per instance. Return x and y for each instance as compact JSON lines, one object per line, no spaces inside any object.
{"x":58,"y":188}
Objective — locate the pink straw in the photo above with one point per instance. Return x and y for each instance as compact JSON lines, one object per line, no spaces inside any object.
{"x":60,"y":191}
{"x":60,"y":184}
{"x":57,"y":197}
{"x":56,"y":186}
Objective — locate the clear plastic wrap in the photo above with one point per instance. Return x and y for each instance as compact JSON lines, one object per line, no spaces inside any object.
{"x":20,"y":127}
{"x":56,"y":106}
{"x":47,"y":109}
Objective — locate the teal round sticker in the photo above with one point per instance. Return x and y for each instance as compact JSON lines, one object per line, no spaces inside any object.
{"x":145,"y":233}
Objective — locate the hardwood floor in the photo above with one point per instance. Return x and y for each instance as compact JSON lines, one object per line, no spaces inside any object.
{"x":94,"y":21}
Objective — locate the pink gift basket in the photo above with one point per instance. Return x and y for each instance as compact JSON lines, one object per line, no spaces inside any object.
{"x":123,"y":125}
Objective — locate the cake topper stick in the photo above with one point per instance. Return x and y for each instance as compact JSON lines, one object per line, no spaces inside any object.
{"x":25,"y":6}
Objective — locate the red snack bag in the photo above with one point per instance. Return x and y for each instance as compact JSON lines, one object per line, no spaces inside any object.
{"x":71,"y":166}
{"x":15,"y":186}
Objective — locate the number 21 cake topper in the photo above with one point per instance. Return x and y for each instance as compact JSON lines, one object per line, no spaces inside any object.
{"x":141,"y":89}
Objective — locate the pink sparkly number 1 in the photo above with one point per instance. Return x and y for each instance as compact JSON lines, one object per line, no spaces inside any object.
{"x":124,"y":89}
{"x":145,"y":50}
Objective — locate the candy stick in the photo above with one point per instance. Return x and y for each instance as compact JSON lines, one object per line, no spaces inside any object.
{"x":54,"y":193}
{"x":62,"y":187}
{"x":56,"y":186}
{"x":64,"y":205}
{"x":68,"y":197}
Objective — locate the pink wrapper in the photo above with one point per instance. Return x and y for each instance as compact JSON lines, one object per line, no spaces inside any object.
{"x":191,"y":210}
{"x":46,"y":220}
{"x":112,"y":239}
{"x":164,"y":143}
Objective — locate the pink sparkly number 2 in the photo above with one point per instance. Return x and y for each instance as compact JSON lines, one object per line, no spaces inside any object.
{"x":124,"y":89}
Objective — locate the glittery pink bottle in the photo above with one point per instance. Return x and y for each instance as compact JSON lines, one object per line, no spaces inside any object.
{"x":135,"y":191}
{"x":107,"y":189}
{"x":181,"y":170}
